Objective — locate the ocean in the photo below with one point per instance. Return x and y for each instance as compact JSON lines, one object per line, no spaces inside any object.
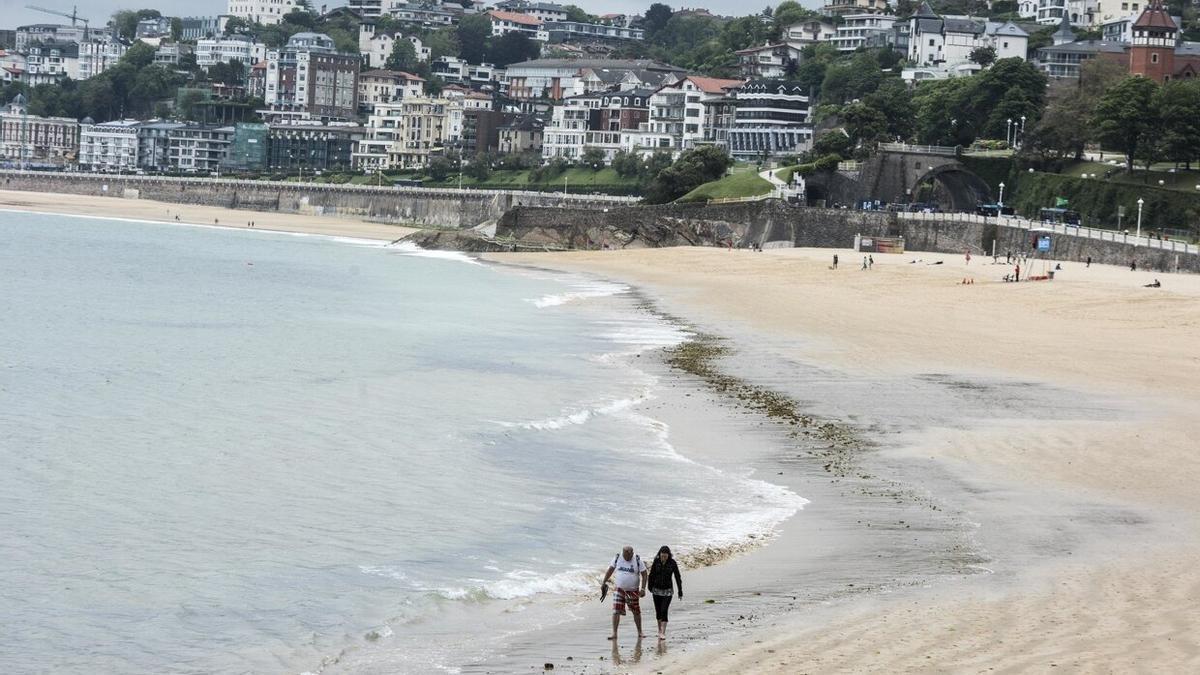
{"x":227,"y":451}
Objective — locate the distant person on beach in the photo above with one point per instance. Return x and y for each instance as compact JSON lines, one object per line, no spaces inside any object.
{"x":661,"y":571}
{"x":835,"y":261}
{"x":1156,"y":284}
{"x":1089,"y":261}
{"x":870,"y":262}
{"x":1017,"y":274}
{"x":968,"y":254}
{"x":630,"y":588}
{"x":1007,"y":257}
{"x":864,"y":262}
{"x":1133,"y":266}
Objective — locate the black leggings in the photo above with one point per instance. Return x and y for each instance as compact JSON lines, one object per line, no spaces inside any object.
{"x":661,"y":603}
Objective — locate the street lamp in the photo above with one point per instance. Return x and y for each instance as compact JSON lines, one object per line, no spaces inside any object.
{"x":1008,"y":132}
{"x":1022,"y":128}
{"x":1139,"y":225}
{"x":1001,"y":201}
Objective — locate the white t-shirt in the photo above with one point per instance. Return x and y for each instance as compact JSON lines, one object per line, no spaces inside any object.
{"x":628,"y":572}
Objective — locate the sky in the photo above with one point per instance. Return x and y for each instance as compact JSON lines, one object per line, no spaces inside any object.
{"x":13,"y":13}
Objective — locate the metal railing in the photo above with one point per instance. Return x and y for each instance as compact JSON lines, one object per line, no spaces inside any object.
{"x":919,"y":149}
{"x":135,"y":179}
{"x":1059,"y":228}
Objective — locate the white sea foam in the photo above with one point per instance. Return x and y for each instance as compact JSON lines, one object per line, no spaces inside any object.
{"x":409,"y":248}
{"x":580,"y":290}
{"x":579,"y":416}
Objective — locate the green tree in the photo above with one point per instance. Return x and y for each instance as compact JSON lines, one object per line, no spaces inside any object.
{"x":236,"y":24}
{"x":592,"y":158}
{"x":864,"y":123}
{"x":479,"y":168}
{"x":895,"y":100}
{"x":1125,"y":118}
{"x":627,"y":164}
{"x":512,"y":47}
{"x":138,"y":56}
{"x":832,"y":142}
{"x":176,"y":28}
{"x":473,"y":32}
{"x":125,"y":21}
{"x":576,"y":14}
{"x":441,"y":42}
{"x":788,"y":14}
{"x":1177,"y":104}
{"x":655,"y":163}
{"x":693,"y":168}
{"x":301,"y":18}
{"x":984,"y":56}
{"x":656,"y":18}
{"x":439,"y":169}
{"x":403,"y":56}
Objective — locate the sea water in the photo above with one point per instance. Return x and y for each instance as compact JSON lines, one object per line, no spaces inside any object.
{"x":238,"y":451}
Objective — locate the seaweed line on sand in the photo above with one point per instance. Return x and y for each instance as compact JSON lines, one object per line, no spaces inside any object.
{"x":698,"y":356}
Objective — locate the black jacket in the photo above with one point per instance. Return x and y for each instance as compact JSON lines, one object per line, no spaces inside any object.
{"x":661,"y":573}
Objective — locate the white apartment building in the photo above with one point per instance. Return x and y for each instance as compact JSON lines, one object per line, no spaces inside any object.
{"x":97,"y":56}
{"x":544,"y":11}
{"x":403,"y":135}
{"x":109,"y":146}
{"x":377,"y":46}
{"x":565,"y":135}
{"x":266,"y":12}
{"x":856,"y":29}
{"x":810,"y":32}
{"x":1080,"y":13}
{"x":685,"y":115}
{"x":210,"y":51}
{"x":47,"y":62}
{"x":508,"y":22}
{"x":769,"y":60}
{"x":388,"y":86}
{"x":946,"y":42}
{"x":198,"y":149}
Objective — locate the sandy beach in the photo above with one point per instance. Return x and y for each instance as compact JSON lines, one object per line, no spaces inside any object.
{"x":1056,"y":421}
{"x":144,"y":209}
{"x":1077,"y":596}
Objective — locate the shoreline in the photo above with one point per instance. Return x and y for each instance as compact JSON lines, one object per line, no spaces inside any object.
{"x":166,"y":213}
{"x":1087,"y":447}
{"x":1050,"y":484}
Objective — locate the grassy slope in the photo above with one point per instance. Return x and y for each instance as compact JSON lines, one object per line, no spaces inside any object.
{"x":746,"y":184}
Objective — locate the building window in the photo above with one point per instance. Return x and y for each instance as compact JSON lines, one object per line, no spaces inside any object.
{"x":1154,"y":58}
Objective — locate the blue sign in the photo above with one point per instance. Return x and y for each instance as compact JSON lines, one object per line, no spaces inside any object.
{"x":1043,"y":243}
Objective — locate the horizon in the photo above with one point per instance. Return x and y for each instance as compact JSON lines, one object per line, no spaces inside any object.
{"x":100,"y":11}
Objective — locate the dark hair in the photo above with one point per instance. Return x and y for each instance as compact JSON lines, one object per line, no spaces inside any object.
{"x":658,"y":563}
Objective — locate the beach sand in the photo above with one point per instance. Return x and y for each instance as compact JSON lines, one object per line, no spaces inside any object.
{"x":145,"y":209}
{"x":1067,"y":440}
{"x":1120,"y":361}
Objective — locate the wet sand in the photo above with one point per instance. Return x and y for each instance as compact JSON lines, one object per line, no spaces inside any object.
{"x":165,"y":212}
{"x":1053,"y":423}
{"x":1023,"y":499}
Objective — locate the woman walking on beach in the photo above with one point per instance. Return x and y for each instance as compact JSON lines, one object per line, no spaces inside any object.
{"x":661,"y":571}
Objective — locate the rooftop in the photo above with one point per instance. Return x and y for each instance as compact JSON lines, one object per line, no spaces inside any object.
{"x":514,"y":17}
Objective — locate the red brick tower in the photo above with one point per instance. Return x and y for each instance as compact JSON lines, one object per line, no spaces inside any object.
{"x":1153,"y":52}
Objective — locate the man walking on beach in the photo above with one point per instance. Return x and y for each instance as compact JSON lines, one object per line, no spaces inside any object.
{"x":630,"y":588}
{"x":835,"y":261}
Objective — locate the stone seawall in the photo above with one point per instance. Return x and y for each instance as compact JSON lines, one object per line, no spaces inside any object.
{"x":417,"y":206}
{"x":771,"y":221}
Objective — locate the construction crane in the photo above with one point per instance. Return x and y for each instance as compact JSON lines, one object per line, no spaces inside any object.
{"x":73,"y":16}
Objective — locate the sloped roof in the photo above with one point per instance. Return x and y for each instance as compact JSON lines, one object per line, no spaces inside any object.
{"x":713,"y":85}
{"x":1064,"y":29}
{"x":1155,"y":16}
{"x":516,"y":18}
{"x":1007,"y":28}
{"x":926,"y":12}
